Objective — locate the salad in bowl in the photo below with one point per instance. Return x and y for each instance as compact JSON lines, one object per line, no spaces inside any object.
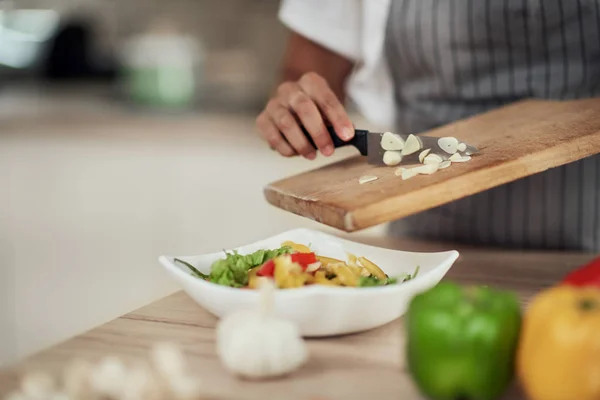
{"x":326,"y":285}
{"x":294,"y":265}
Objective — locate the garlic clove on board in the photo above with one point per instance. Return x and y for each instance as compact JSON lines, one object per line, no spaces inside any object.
{"x":399,"y":171}
{"x":256,"y":344}
{"x":461,"y":147}
{"x":412,"y":145}
{"x":392,"y":158}
{"x":409,"y":173}
{"x":426,"y":169}
{"x":449,"y":144}
{"x":391,"y":141}
{"x":458,"y":158}
{"x":432,"y":159}
{"x":423,"y":154}
{"x":445,"y":164}
{"x":366,"y":179}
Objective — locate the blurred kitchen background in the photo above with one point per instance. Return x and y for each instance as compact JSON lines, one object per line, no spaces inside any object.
{"x":196,"y":54}
{"x":126,"y":132}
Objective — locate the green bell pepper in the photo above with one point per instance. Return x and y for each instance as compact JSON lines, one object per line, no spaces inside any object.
{"x":462,"y":341}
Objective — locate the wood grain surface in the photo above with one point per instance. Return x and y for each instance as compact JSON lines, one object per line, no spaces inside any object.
{"x":515,"y":141}
{"x":360,"y":366}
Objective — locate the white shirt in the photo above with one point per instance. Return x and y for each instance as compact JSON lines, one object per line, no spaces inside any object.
{"x":356,"y":30}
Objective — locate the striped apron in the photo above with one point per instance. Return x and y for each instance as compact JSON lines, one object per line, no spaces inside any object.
{"x":451,"y":59}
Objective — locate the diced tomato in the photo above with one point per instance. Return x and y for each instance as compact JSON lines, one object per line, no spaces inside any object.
{"x":304,"y":259}
{"x":267,"y":269}
{"x":587,"y":275}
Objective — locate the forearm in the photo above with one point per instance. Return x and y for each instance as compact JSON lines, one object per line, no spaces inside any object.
{"x":303,"y":55}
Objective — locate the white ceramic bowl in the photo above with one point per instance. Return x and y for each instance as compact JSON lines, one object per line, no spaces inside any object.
{"x":321,"y":310}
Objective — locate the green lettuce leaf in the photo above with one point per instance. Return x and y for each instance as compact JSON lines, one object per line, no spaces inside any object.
{"x":233,"y":269}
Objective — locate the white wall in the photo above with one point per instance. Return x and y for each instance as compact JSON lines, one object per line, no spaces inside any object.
{"x":94,"y":199}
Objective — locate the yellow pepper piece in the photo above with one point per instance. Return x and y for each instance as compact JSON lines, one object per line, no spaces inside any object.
{"x":326,"y":282}
{"x":320,"y":275}
{"x":559,"y":350}
{"x":300,"y":248}
{"x":345,"y":275}
{"x":253,"y":279}
{"x":336,"y":281}
{"x":288,"y":274}
{"x":320,"y":278}
{"x":352,"y":258}
{"x":356,"y":270}
{"x":296,"y":281}
{"x":325,"y":261}
{"x":281,"y":271}
{"x":372,"y":268}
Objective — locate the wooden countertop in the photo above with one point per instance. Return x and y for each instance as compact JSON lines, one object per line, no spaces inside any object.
{"x":372,"y":361}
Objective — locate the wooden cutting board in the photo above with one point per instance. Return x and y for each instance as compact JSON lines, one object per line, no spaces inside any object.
{"x":515,"y":141}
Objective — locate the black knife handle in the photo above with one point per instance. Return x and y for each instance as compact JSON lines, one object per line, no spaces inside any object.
{"x":359,"y":140}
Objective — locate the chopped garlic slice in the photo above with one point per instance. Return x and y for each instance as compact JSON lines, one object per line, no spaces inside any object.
{"x":399,"y":171}
{"x":426,"y":169}
{"x":412,"y":145}
{"x":423,"y":154}
{"x":391,"y":141}
{"x":448,"y":144}
{"x":458,"y":158}
{"x":391,"y":158}
{"x":445,"y":164}
{"x":409,"y":173}
{"x":432,"y":159}
{"x":367,"y":179}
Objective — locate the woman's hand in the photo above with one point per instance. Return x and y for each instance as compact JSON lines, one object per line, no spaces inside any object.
{"x":308,"y":102}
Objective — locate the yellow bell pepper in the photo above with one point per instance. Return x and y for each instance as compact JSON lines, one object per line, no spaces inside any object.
{"x":559,"y":350}
{"x":325,"y":261}
{"x":253,"y":279}
{"x":300,"y":248}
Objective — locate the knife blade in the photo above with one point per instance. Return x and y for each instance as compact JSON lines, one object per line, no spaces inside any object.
{"x":373,"y":145}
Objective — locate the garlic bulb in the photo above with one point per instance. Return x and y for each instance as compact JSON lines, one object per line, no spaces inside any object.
{"x":256,"y":344}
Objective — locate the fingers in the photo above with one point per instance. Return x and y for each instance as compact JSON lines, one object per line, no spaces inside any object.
{"x":286,"y":123}
{"x":308,"y":114}
{"x":272,"y":136}
{"x":305,"y":104}
{"x":319,"y":91}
